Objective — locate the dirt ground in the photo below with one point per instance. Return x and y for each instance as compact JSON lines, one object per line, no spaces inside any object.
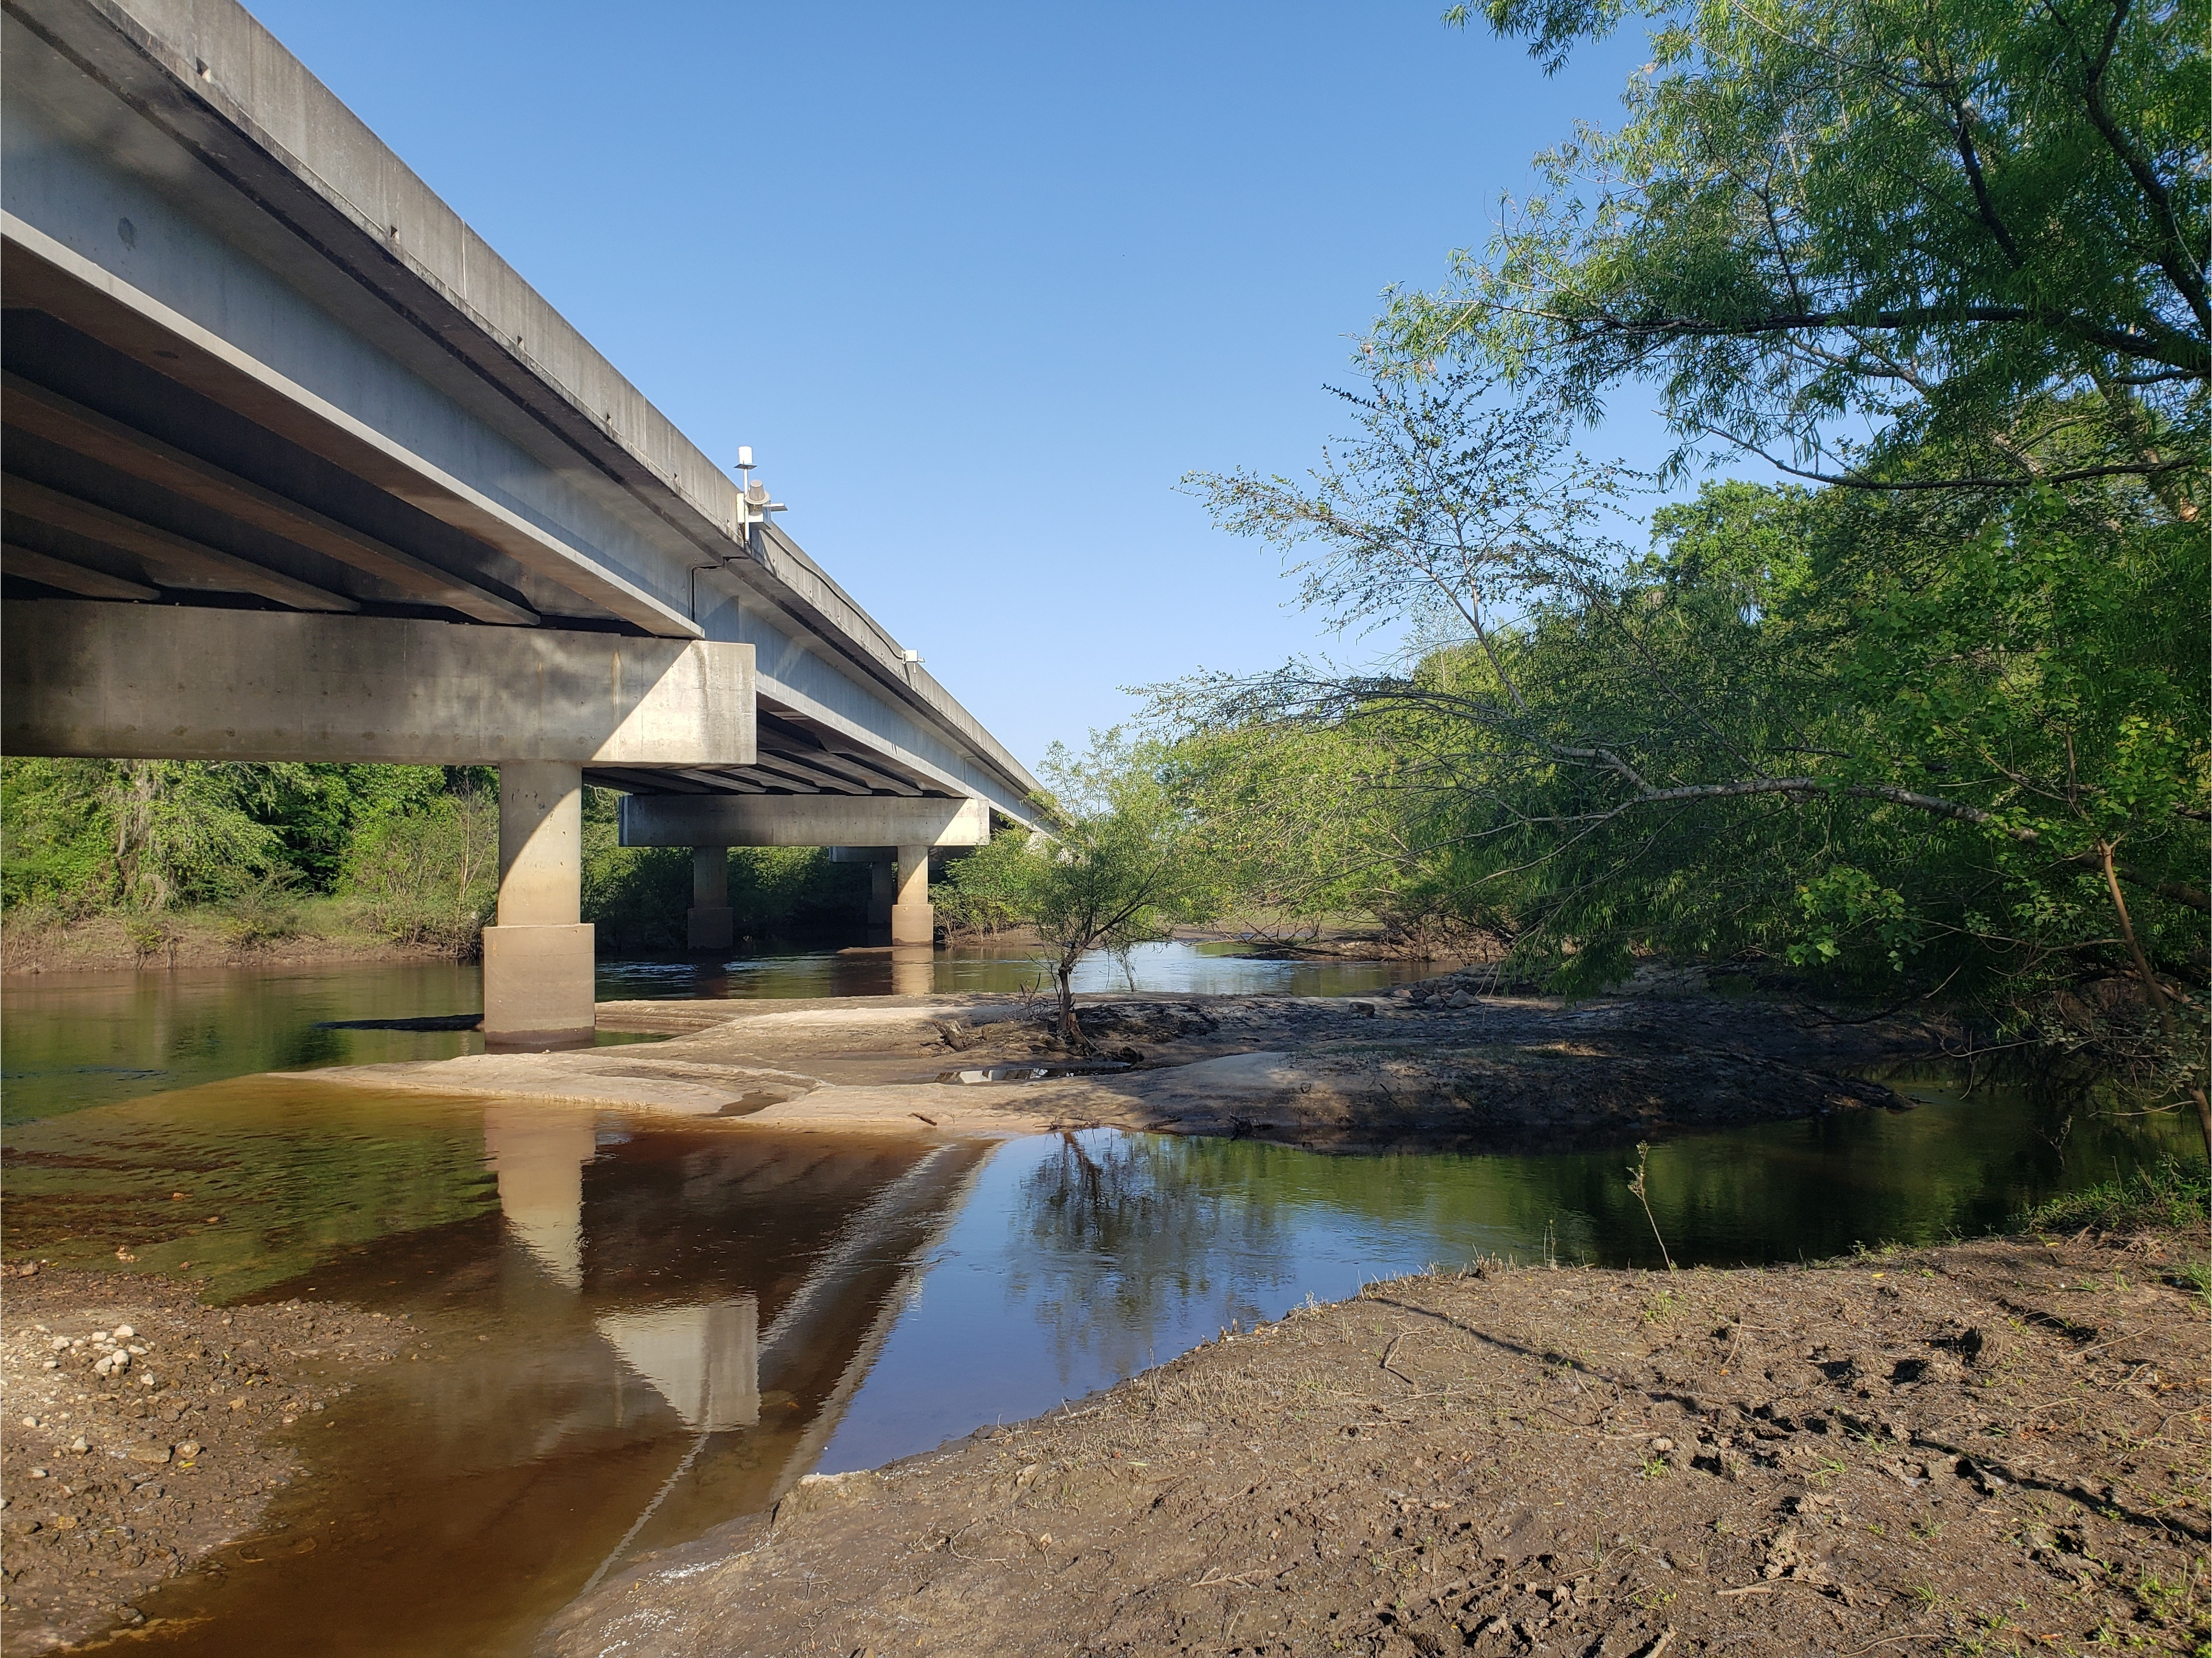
{"x":1446,"y":1064}
{"x":117,"y":1479}
{"x":115,"y":944}
{"x":1998,"y":1447}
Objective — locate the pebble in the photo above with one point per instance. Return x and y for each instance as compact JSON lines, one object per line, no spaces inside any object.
{"x":79,"y":1445}
{"x":123,"y":1333}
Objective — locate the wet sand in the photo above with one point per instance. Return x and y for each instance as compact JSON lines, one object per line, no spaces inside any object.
{"x":118,"y":1479}
{"x":1992,"y":1447}
{"x":1441,"y":1067}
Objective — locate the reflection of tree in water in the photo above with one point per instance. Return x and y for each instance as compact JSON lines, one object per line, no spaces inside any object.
{"x":1132,"y":1238}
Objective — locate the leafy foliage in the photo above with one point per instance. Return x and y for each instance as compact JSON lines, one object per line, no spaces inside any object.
{"x":1118,"y":863}
{"x":2167,"y":1194}
{"x":430,"y":877}
{"x":1977,"y":227}
{"x":1889,"y":739}
{"x":1936,"y":726}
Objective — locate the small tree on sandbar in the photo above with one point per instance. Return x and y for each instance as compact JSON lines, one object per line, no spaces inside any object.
{"x":1114,"y":864}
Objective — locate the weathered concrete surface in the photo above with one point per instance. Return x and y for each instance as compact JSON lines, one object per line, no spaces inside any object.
{"x":79,"y":677}
{"x":182,"y":192}
{"x":913,"y":920}
{"x":802,"y":820}
{"x":538,"y":984}
{"x":541,"y":843}
{"x":539,"y":959}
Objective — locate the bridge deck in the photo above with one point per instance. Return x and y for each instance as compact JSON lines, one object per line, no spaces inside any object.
{"x":252,"y":362}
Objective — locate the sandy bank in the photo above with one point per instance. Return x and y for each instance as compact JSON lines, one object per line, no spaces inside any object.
{"x":1441,"y":1067}
{"x":1992,"y":1447}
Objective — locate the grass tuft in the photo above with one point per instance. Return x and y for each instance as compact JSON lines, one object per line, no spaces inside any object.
{"x":2169,"y":1193}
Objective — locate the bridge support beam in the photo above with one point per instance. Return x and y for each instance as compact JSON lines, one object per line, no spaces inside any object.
{"x":876,"y":823}
{"x":159,"y":681}
{"x":892,"y":834}
{"x":913,"y":922}
{"x":538,"y":957}
{"x":712,"y":924}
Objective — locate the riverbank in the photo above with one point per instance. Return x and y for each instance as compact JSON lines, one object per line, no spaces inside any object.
{"x":124,"y":1472}
{"x":1993,"y":1446}
{"x":1437,"y":1066}
{"x":198,"y":939}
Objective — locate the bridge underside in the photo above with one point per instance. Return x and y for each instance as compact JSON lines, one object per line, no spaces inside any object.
{"x":142,"y":464}
{"x":296,"y":468}
{"x":201,"y":563}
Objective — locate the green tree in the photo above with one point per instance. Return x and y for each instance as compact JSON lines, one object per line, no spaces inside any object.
{"x":1894,"y":739}
{"x":1973,"y":236}
{"x":430,"y":876}
{"x":1117,"y":864}
{"x":1977,"y":228}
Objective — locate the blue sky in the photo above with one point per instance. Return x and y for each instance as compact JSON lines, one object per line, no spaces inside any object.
{"x":977,"y":283}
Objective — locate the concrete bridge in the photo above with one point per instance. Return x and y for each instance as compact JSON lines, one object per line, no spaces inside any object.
{"x":296,"y":468}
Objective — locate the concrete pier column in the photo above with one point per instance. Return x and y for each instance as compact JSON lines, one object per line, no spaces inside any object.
{"x":883,"y":889}
{"x":712,"y":924}
{"x":913,"y":922}
{"x":538,"y":959}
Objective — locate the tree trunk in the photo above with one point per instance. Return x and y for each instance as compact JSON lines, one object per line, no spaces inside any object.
{"x":2152,"y":989}
{"x":1071,"y":1034}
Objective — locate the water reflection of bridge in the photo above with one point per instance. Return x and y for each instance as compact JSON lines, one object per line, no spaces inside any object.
{"x":653,"y":1291}
{"x":660,"y":1330}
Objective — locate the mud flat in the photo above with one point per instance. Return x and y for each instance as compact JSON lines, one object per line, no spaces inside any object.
{"x":1438,"y":1065}
{"x":119,"y":1478}
{"x":1996,"y":1446}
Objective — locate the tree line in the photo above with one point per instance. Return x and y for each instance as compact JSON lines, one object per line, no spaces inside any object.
{"x":1912,"y":703}
{"x":408,"y":854}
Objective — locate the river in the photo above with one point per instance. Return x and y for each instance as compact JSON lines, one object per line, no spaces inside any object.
{"x":649,"y":1325}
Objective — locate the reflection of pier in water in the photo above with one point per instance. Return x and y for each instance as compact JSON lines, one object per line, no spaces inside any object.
{"x":682,"y":1317}
{"x":707,"y":1355}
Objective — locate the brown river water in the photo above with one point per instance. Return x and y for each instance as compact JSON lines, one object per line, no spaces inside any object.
{"x":639,"y":1327}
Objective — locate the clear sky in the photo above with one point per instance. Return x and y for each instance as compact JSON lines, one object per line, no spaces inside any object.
{"x":978,"y":283}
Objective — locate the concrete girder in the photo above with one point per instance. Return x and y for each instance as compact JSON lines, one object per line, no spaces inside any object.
{"x":87,"y":432}
{"x":40,"y":272}
{"x":60,"y":574}
{"x":172,"y":560}
{"x":873,"y":778}
{"x":829,"y":781}
{"x":802,"y":820}
{"x":163,"y":683}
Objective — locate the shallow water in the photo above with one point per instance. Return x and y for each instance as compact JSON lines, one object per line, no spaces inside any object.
{"x":638,"y":1327}
{"x":76,"y":1040}
{"x":1176,"y":968}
